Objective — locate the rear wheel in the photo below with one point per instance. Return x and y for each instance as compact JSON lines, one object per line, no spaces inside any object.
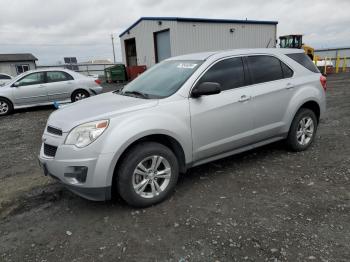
{"x":148,"y":174}
{"x":79,"y":95}
{"x":5,"y":107}
{"x":303,"y":130}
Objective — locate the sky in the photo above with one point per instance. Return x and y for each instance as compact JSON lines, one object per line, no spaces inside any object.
{"x":53,"y":29}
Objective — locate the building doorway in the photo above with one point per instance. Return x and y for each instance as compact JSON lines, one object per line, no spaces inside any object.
{"x":162,"y":45}
{"x":130,"y":52}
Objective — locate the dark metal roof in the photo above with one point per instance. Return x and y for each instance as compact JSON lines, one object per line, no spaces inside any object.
{"x":198,"y":20}
{"x":17,"y":57}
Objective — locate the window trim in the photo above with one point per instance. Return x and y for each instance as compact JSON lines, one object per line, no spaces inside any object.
{"x":32,"y":74}
{"x":246,"y":77}
{"x":288,"y":67}
{"x":271,"y":55}
{"x":65,"y":73}
{"x":248,"y":80}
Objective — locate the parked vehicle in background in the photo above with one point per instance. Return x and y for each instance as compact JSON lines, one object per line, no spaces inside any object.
{"x":4,"y":78}
{"x":181,"y":113}
{"x":45,"y":86}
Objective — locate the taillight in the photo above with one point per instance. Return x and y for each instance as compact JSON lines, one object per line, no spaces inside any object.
{"x":98,"y":81}
{"x":323,"y":81}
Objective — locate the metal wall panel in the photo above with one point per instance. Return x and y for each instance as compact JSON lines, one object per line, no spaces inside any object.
{"x":191,"y":37}
{"x":198,"y":37}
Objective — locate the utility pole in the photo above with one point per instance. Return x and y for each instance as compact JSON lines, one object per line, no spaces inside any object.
{"x":112,"y":37}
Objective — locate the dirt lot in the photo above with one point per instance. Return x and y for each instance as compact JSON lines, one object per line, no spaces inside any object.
{"x":264,"y":205}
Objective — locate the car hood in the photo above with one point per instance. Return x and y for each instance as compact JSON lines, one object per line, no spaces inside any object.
{"x":104,"y":106}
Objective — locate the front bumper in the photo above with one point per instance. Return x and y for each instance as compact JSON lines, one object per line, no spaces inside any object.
{"x":90,"y":193}
{"x":84,"y":171}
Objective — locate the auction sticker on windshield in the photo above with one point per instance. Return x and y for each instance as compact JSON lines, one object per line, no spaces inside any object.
{"x":187,"y":65}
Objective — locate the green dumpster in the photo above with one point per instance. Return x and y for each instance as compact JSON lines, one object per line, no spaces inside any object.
{"x":116,"y":73}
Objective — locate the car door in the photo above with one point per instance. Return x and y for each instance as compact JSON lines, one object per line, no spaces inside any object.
{"x":223,"y":122}
{"x":58,"y":85}
{"x":272,"y":89}
{"x":30,"y":89}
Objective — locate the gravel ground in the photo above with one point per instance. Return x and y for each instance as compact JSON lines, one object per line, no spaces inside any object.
{"x":263,"y":205}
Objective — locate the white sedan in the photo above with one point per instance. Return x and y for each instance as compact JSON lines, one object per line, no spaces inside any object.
{"x":45,"y":87}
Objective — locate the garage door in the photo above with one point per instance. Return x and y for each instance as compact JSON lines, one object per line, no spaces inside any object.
{"x":162,"y":45}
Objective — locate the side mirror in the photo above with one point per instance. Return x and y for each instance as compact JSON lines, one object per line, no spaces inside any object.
{"x":206,"y":89}
{"x":16,"y":84}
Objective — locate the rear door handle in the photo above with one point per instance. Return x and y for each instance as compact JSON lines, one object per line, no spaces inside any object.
{"x":41,"y":86}
{"x":244,"y":98}
{"x":289,"y":86}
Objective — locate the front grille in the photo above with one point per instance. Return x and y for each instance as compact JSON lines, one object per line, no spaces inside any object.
{"x":50,"y":150}
{"x":54,"y":130}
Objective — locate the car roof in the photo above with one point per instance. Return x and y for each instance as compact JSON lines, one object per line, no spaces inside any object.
{"x":223,"y":53}
{"x":76,"y":75}
{"x":50,"y":69}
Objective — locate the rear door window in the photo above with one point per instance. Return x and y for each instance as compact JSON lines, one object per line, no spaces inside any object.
{"x":229,"y":73}
{"x":304,"y":60}
{"x":264,"y":68}
{"x":57,"y":76}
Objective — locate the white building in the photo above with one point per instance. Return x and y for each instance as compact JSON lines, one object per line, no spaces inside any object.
{"x":151,"y":39}
{"x":15,"y":64}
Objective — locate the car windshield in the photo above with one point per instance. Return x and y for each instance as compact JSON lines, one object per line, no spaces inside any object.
{"x":162,"y":80}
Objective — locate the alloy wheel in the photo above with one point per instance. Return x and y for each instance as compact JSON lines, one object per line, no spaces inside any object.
{"x":4,"y":108}
{"x":305,"y":130}
{"x":151,"y":176}
{"x":79,"y":96}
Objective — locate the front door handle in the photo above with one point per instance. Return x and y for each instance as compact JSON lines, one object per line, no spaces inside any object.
{"x":244,"y":98}
{"x":289,"y":86}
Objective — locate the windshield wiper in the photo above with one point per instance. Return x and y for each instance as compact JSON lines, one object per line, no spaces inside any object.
{"x":136,"y":93}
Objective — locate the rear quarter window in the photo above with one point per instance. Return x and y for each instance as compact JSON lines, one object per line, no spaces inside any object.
{"x":304,"y":60}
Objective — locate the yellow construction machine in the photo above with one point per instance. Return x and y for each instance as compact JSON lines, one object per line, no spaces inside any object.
{"x":296,"y":41}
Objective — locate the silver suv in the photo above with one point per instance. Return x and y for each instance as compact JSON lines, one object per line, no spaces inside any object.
{"x":183,"y":112}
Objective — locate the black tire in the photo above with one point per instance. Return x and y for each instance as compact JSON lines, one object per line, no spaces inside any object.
{"x":294,"y":140}
{"x":125,"y":179}
{"x":6,"y":107}
{"x":79,"y":93}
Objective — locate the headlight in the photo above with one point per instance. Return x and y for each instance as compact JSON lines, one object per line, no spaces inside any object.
{"x":85,"y":134}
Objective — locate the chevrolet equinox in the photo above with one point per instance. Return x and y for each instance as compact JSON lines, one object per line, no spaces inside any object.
{"x":183,"y":112}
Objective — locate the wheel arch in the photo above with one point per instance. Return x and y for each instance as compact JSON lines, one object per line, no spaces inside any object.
{"x":163,"y":139}
{"x":166,"y":140}
{"x":8,"y":99}
{"x":313,"y":106}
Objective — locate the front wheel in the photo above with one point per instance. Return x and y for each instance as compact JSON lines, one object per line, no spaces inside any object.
{"x":79,"y":95}
{"x":303,"y":130}
{"x":147,"y":175}
{"x":5,"y":107}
